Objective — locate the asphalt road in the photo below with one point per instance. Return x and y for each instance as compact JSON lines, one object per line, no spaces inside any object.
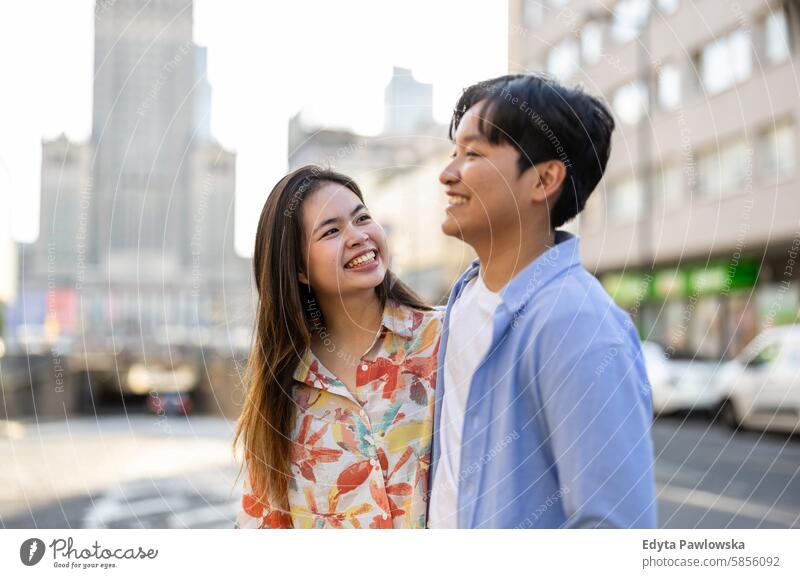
{"x":147,"y":472}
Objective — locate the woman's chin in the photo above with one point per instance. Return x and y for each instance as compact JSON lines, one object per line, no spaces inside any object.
{"x":359,"y":281}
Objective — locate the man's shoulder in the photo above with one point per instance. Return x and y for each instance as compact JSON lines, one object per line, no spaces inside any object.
{"x":575,"y":300}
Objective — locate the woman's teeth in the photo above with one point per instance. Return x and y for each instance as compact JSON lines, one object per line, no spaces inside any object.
{"x":458,"y":200}
{"x":366,"y":258}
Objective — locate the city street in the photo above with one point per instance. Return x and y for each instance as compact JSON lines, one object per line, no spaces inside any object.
{"x":147,"y":472}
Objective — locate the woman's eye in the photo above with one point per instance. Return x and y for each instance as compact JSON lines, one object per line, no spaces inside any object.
{"x":472,"y":154}
{"x":329,"y":231}
{"x":363,"y":217}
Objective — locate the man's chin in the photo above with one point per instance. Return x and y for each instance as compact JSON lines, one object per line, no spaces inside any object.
{"x":452,"y":229}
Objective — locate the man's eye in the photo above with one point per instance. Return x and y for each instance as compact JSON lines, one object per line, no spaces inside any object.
{"x":362,"y":217}
{"x":472,"y":154}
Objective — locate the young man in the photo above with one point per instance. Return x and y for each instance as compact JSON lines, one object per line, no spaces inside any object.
{"x":543,"y":405}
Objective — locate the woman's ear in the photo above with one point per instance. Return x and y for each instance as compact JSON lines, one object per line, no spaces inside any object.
{"x":302,"y":278}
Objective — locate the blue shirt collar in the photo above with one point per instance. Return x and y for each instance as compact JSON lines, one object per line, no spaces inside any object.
{"x":561,"y":256}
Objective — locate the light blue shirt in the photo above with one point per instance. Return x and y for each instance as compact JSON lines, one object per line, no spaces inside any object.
{"x":557,"y":425}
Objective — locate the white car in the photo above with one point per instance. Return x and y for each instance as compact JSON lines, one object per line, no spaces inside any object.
{"x":679,"y":385}
{"x":760,"y":388}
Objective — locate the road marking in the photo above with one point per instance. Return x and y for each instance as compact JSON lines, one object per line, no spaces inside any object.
{"x":711,"y":501}
{"x":110,"y":510}
{"x":203,"y":517}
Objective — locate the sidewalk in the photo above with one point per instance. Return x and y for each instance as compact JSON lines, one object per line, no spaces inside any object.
{"x":46,"y":463}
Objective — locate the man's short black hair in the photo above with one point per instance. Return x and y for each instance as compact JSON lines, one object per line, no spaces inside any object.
{"x":545,"y":121}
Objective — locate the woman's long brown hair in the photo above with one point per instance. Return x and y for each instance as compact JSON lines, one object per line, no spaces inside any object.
{"x":283,"y":331}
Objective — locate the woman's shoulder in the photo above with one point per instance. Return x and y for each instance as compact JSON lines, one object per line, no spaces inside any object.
{"x":421,"y":328}
{"x":436,"y":314}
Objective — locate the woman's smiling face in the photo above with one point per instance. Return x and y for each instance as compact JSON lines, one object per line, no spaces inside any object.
{"x":344,"y":250}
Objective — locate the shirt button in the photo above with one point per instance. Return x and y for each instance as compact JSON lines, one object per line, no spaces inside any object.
{"x":375,"y":463}
{"x":364,"y":367}
{"x":385,"y":516}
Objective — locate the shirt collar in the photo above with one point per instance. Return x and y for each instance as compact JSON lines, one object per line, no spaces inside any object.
{"x":561,"y":256}
{"x":399,"y":319}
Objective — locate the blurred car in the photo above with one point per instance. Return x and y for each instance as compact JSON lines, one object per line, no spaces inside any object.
{"x":679,"y":385}
{"x":170,"y":404}
{"x":161,"y":376}
{"x":760,"y":388}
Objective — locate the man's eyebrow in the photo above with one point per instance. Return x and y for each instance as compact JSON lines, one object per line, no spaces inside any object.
{"x":470,"y":138}
{"x":336,"y":219}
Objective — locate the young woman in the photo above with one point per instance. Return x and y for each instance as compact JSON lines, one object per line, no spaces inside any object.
{"x":337,"y":421}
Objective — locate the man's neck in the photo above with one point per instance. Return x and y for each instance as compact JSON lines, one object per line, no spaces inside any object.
{"x":502,"y":258}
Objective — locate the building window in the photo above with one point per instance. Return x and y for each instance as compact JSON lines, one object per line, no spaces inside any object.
{"x":723,"y":172}
{"x":776,"y":36}
{"x":630,"y":102}
{"x":625,"y":200}
{"x":668,"y":187}
{"x":592,"y":214}
{"x":726,"y":61}
{"x":630,"y":16}
{"x":669,"y":87}
{"x":563,"y":59}
{"x":735,"y":165}
{"x":592,"y":42}
{"x":777,"y":150}
{"x":667,"y":6}
{"x":708,"y":173}
{"x":532,"y":13}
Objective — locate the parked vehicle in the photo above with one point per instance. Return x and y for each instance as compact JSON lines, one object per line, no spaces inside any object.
{"x":760,"y":388}
{"x":170,"y":403}
{"x":679,"y":385}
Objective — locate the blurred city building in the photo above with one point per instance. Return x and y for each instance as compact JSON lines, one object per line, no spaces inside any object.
{"x":8,"y":251}
{"x":398,"y":172}
{"x":696,"y":225}
{"x":408,"y":104}
{"x":136,"y":225}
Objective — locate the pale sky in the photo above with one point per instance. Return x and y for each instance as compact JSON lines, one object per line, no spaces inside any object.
{"x":265,"y":62}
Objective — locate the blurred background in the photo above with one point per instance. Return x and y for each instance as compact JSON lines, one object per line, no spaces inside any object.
{"x":138,"y":142}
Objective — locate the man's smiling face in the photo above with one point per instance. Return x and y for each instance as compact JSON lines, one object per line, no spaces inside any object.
{"x":486,"y":192}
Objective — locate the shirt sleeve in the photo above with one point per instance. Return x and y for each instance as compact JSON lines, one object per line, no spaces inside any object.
{"x":597,"y":413}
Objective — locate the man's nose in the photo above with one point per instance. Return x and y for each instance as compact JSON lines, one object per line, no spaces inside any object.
{"x":449,"y":175}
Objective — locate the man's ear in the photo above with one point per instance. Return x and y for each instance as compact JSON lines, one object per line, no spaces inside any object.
{"x":550,"y":177}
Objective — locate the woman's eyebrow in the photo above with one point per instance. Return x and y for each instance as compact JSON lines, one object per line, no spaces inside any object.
{"x":336,"y":219}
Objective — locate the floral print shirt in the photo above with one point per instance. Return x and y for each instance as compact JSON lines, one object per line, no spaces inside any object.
{"x":360,"y":458}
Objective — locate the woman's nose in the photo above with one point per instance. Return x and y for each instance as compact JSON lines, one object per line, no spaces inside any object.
{"x":358,"y":237}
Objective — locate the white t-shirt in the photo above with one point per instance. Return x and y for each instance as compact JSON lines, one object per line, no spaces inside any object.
{"x":470,"y":335}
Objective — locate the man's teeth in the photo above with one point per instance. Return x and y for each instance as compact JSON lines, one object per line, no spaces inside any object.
{"x":458,"y":200}
{"x":366,"y":258}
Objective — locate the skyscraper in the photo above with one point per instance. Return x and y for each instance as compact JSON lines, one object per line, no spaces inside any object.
{"x":137,"y":223}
